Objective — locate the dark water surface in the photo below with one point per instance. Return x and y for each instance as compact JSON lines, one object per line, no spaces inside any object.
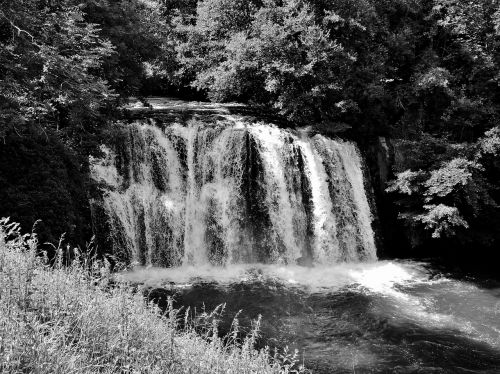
{"x":383,"y":317}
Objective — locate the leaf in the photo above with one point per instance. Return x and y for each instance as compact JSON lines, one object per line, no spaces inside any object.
{"x":442,"y":220}
{"x":451,"y":175}
{"x":407,"y":182}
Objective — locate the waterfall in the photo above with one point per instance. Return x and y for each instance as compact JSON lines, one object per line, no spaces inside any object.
{"x":234,"y":192}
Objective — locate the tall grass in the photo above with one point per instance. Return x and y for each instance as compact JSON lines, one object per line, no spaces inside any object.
{"x":69,"y":319}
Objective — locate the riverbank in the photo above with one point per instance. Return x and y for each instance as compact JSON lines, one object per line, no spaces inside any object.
{"x":62,"y":319}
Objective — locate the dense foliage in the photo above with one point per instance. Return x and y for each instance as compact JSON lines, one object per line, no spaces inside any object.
{"x":453,"y":194}
{"x":50,"y":59}
{"x":53,"y":102}
{"x":422,"y":71}
{"x":397,"y":66}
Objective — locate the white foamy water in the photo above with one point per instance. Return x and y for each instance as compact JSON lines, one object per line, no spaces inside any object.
{"x":381,"y":276}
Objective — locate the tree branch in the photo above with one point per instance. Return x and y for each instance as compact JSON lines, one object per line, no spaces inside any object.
{"x":18,"y":29}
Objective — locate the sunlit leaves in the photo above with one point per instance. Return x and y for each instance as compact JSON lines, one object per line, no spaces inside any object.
{"x":448,"y":197}
{"x":445,"y":180}
{"x":442,"y":220}
{"x":435,"y":77}
{"x":407,"y":182}
{"x":276,"y":53}
{"x":490,"y":143}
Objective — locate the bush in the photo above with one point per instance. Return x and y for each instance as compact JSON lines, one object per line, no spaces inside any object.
{"x":450,"y":190}
{"x":72,"y":319}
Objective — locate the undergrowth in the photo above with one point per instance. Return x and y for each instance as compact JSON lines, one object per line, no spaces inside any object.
{"x":71,"y":319}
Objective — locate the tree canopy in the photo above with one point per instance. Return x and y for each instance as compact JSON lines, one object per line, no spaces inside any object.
{"x":422,"y":71}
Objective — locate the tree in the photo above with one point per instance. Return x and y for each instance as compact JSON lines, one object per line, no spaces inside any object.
{"x":273,"y":53}
{"x":140,"y":32}
{"x":49,"y":62}
{"x":53,"y":104}
{"x":454,"y":195}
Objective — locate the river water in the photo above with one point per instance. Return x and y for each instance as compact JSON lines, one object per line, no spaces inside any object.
{"x":377,"y":317}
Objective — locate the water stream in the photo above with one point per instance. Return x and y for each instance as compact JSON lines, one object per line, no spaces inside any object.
{"x":381,"y":317}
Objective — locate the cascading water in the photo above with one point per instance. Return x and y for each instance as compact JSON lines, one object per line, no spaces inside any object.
{"x":234,"y":192}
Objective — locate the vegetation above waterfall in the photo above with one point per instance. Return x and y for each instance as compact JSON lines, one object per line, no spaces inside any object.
{"x":425,"y":72}
{"x":399,"y":67}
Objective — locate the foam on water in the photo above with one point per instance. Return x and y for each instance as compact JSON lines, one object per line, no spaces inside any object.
{"x":405,"y":292}
{"x":381,"y":276}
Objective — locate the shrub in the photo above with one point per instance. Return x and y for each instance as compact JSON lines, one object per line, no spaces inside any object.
{"x":455,"y":197}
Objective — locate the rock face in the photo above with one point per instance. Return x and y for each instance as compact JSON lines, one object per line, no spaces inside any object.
{"x":385,"y":157}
